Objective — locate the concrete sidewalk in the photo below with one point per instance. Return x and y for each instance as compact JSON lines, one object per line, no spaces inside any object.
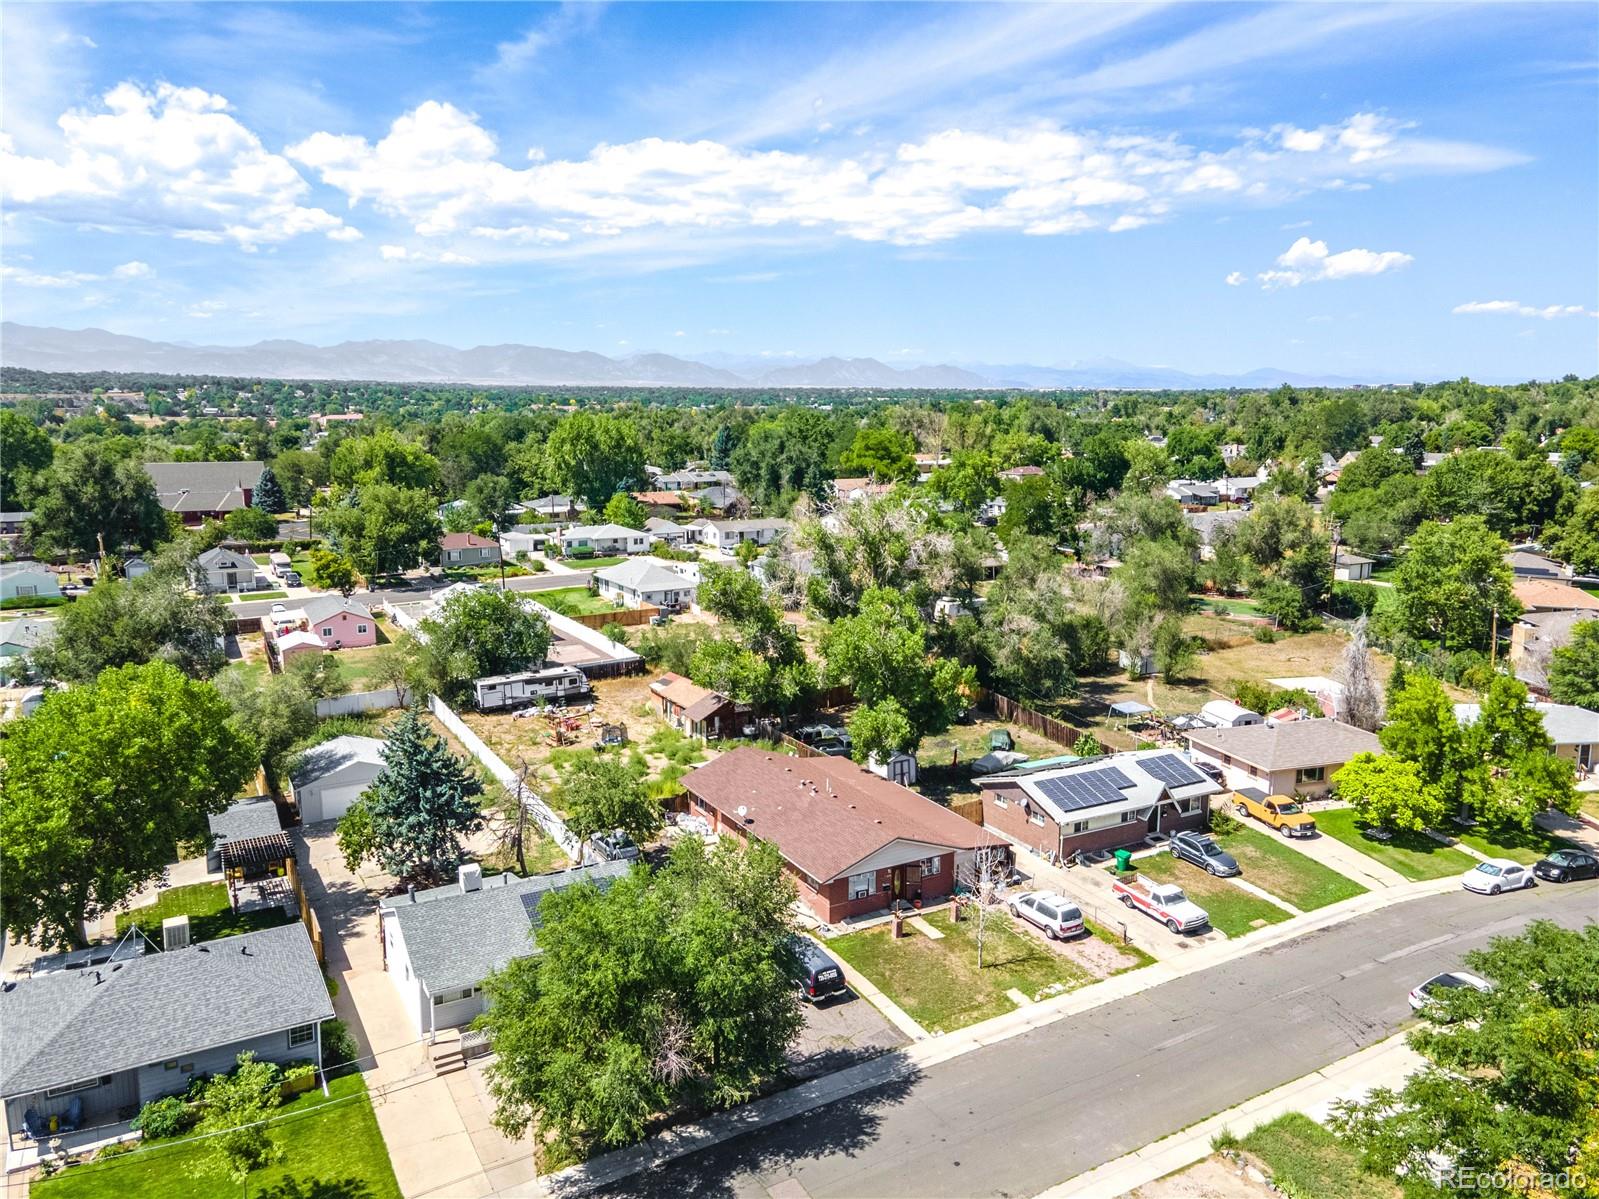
{"x":1346,"y":860}
{"x":1385,"y":1064}
{"x":610,"y":1168}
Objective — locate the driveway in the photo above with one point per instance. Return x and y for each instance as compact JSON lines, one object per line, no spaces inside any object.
{"x":840,"y":1032}
{"x":436,"y":1128}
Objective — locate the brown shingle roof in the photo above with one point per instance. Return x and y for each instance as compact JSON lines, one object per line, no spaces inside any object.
{"x":1291,"y":746}
{"x":1552,"y":596}
{"x":679,"y":691}
{"x":704,"y":709}
{"x":466,"y":541}
{"x":825,"y":814}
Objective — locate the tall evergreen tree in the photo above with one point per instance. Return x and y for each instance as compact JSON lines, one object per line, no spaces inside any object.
{"x":413,"y":816}
{"x":722,"y":448}
{"x":269,"y":495}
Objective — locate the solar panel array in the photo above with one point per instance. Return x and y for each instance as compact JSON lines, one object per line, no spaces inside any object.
{"x":1086,"y":790}
{"x":1172,"y":770}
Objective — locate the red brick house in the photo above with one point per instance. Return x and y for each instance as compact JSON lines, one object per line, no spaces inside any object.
{"x":1106,"y":802}
{"x":853,"y":841}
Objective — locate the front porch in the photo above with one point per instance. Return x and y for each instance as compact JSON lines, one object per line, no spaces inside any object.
{"x":23,"y":1153}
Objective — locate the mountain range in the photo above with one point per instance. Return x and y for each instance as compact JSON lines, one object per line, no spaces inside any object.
{"x":418,"y":361}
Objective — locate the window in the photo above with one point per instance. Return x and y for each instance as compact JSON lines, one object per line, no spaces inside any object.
{"x":444,"y":997}
{"x":860,"y":886}
{"x":932,"y":865}
{"x":303,"y":1034}
{"x":1129,"y":817}
{"x":328,"y":632}
{"x":1080,"y":826}
{"x":23,"y":590}
{"x":1036,"y":818}
{"x":360,"y":628}
{"x":1001,"y":802}
{"x":1312,"y":774}
{"x":103,"y":1080}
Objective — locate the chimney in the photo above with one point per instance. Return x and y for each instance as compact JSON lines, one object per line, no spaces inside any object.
{"x":470,"y":877}
{"x":410,"y":892}
{"x":175,"y":933}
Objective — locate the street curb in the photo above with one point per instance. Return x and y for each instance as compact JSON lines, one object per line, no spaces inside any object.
{"x":896,"y":1065}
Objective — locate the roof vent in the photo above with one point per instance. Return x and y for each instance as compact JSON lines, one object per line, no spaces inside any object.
{"x":410,"y":892}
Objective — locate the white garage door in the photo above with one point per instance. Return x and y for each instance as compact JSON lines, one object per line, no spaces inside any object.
{"x":332,"y":803}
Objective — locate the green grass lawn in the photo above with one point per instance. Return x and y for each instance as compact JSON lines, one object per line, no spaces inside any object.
{"x":356,"y":667}
{"x":591,"y":563}
{"x":331,"y":1147}
{"x":1305,"y":1159}
{"x":1513,"y":843}
{"x":206,"y":906}
{"x":256,"y":671}
{"x":1414,"y":855}
{"x":574,"y":601}
{"x":1232,"y":909}
{"x":938,"y":982}
{"x":246,"y":596}
{"x":1223,"y":603}
{"x":1287,"y":873}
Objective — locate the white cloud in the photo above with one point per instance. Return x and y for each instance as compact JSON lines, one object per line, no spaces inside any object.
{"x":679,"y":333}
{"x":1309,"y":261}
{"x":23,"y":277}
{"x":440,"y":170}
{"x":133,"y":270}
{"x":1516,"y":308}
{"x":168,"y":160}
{"x":1237,"y":279}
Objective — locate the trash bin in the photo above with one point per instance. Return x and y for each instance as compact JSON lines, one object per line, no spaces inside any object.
{"x":1124,"y":861}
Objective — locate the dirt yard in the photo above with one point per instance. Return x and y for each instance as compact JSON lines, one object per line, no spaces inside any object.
{"x":1213,"y":1178}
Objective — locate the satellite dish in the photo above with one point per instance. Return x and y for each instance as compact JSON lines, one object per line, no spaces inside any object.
{"x":742,"y":811}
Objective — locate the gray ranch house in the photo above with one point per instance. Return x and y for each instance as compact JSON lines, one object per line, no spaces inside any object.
{"x":468,"y":549}
{"x":89,"y":1047}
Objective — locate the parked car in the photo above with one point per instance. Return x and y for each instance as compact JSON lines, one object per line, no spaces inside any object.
{"x":1202,"y":851}
{"x":1496,"y":875}
{"x":1567,"y":865}
{"x":820,"y":976}
{"x":614,"y":847}
{"x":1165,"y":902}
{"x":1058,"y":916}
{"x":1426,"y":994}
{"x":1276,"y":811}
{"x":291,"y":578}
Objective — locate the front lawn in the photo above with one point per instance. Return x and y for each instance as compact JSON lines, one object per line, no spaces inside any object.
{"x":938,"y":982}
{"x":1513,"y":843}
{"x":1287,"y":873}
{"x":1232,"y":909}
{"x":574,"y":601}
{"x":592,"y":563}
{"x":247,"y":596}
{"x":331,"y":1146}
{"x":1414,"y":855}
{"x":1306,"y":1159}
{"x":206,"y":906}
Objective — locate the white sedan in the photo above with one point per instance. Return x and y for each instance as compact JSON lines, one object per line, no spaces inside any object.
{"x":1496,"y":875}
{"x":1427,"y":993}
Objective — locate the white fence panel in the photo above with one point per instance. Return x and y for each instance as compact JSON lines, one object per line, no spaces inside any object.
{"x":358,"y":701}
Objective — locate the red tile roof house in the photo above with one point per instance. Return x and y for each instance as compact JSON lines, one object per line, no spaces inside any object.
{"x":853,"y":841}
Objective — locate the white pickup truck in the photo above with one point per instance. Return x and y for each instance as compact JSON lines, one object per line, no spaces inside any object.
{"x":1165,"y":902}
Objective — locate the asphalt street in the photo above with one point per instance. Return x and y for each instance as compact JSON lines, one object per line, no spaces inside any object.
{"x":1017,"y":1117}
{"x":419,"y":589}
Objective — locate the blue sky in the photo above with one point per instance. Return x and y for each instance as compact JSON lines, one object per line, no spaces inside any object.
{"x":1401,"y":190}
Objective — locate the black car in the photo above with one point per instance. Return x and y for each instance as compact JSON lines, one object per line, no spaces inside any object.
{"x":820,"y":975}
{"x":1203,"y":852}
{"x":1567,"y":866}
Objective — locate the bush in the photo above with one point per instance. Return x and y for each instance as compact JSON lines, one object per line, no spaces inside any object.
{"x":338,"y":1045}
{"x":1225,"y":1139}
{"x":616,"y":632}
{"x":536,"y":565}
{"x":32,"y":601}
{"x":115,"y":1149}
{"x":1223,"y":822}
{"x":1265,"y":634}
{"x":1354,"y":599}
{"x":164,"y":1117}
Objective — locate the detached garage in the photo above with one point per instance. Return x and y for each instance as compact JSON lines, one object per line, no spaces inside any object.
{"x":331,"y":776}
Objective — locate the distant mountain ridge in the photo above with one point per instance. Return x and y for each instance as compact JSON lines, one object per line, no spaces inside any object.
{"x":420,"y":361}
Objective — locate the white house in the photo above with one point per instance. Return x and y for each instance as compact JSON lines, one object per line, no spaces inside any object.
{"x":671,"y":533}
{"x":26,"y":580}
{"x":18,"y":639}
{"x":603,"y":540}
{"x":224,"y":570}
{"x":646,"y":581}
{"x":725,"y":535}
{"x":440,"y":944}
{"x":331,"y":776}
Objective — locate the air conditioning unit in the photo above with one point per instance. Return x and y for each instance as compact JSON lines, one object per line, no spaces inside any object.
{"x":175,"y":933}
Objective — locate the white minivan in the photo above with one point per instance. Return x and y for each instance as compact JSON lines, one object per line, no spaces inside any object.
{"x":1058,"y":916}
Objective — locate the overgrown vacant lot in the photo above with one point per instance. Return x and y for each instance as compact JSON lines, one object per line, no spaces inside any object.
{"x":1232,"y":910}
{"x":1305,"y":1159}
{"x":1414,"y":855}
{"x":939,"y":985}
{"x":1285,"y":872}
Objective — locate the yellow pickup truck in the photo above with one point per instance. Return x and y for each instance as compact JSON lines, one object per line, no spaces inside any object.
{"x":1279,"y":811}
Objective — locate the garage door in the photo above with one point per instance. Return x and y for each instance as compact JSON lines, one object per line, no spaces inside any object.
{"x":332,"y":803}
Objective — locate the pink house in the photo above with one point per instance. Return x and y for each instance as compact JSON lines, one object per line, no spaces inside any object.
{"x":334,"y":622}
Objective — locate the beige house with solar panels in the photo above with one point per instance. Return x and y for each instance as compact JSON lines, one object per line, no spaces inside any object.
{"x":1107,"y":802}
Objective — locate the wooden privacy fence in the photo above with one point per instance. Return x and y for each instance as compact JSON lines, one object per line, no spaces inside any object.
{"x":1004,"y":707}
{"x":313,"y":926}
{"x":801,"y":750}
{"x":626,"y":617}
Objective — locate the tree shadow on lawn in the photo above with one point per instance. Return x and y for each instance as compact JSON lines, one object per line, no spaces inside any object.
{"x":317,"y":1188}
{"x":844,"y":1127}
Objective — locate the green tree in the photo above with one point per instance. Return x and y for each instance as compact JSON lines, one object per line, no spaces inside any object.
{"x":89,"y":493}
{"x":1520,"y":775}
{"x":235,"y":1108}
{"x":879,"y":453}
{"x":300,"y":473}
{"x":881,"y":653}
{"x":1574,"y":668}
{"x":279,"y":710}
{"x":783,"y":456}
{"x":489,"y":498}
{"x":28,"y":453}
{"x":722,"y":448}
{"x":268,"y":495}
{"x":1452,"y":582}
{"x":1033,"y":637}
{"x":332,"y":572}
{"x":1148,"y":467}
{"x":1037,"y":507}
{"x":1576,"y":539}
{"x":384,"y":458}
{"x":101,"y":783}
{"x":622,"y":509}
{"x":600,"y":794}
{"x":250,"y":524}
{"x":424,"y":801}
{"x":763,"y":663}
{"x":594,"y":455}
{"x":1389,"y":792}
{"x":129,"y":621}
{"x":479,"y":633}
{"x":1422,"y":730}
{"x":652,"y":994}
{"x":1510,"y":1077}
{"x":968,"y":481}
{"x":384,"y":529}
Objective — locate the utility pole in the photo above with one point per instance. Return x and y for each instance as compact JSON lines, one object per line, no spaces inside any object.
{"x":1493,"y":640}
